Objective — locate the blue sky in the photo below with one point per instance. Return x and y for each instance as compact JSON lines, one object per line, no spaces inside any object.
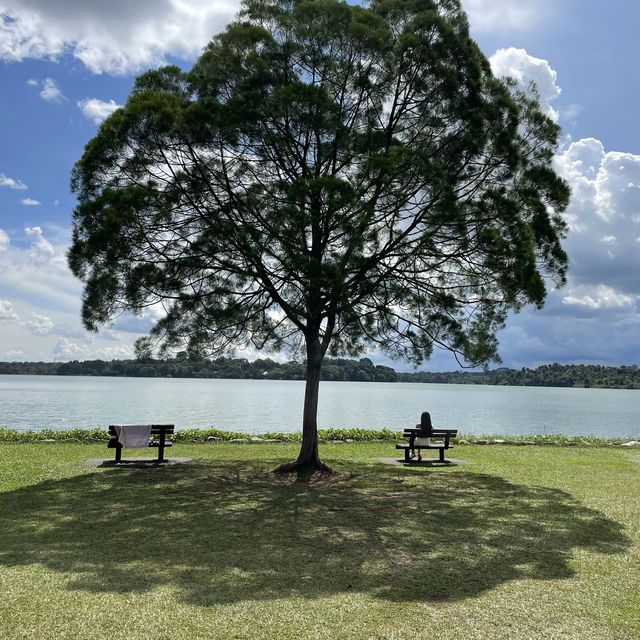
{"x":65,"y":65}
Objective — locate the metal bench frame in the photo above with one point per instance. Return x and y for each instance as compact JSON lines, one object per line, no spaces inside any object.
{"x":425,"y":430}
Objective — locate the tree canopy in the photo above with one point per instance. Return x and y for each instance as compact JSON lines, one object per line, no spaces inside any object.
{"x":328,"y":178}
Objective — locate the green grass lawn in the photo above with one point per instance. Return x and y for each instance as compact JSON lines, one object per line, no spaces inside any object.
{"x":520,"y":542}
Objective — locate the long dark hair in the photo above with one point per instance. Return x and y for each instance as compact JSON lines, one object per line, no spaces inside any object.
{"x":425,"y":423}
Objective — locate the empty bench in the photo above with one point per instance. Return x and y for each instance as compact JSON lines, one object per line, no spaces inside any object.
{"x":422,"y":438}
{"x":158,"y":438}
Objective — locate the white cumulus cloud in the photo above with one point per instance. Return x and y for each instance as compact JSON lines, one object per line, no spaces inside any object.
{"x":519,"y":65}
{"x":115,"y":353}
{"x":6,"y":181}
{"x":604,"y":216}
{"x":596,"y":316}
{"x":506,"y":15}
{"x":51,"y":92}
{"x":110,"y":37}
{"x":600,"y":297}
{"x":30,"y":202}
{"x":41,"y":249}
{"x":39,"y":325}
{"x":67,"y":350}
{"x":40,"y":296}
{"x":22,"y":36}
{"x":7,"y":312}
{"x":49,"y":89}
{"x":37,"y":274}
{"x":97,"y":110}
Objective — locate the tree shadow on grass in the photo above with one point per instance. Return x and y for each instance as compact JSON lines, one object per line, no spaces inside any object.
{"x":226,"y":531}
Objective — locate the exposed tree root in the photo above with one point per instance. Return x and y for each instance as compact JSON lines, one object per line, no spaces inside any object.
{"x":305,"y":473}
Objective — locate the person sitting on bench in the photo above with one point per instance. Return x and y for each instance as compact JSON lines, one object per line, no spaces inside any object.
{"x":422,"y":436}
{"x":426,"y":431}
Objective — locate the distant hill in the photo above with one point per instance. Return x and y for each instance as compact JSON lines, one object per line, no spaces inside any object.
{"x":363,"y":370}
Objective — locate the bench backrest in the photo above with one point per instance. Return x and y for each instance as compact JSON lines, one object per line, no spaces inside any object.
{"x":156,"y":429}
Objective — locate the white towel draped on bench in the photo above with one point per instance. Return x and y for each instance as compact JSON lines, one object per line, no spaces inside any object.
{"x":422,"y":442}
{"x":133,"y":436}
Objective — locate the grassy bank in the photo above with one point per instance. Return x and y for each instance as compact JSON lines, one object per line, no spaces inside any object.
{"x":519,"y":542}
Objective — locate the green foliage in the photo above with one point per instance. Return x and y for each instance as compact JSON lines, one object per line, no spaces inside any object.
{"x":88,"y":435}
{"x":330,"y":174}
{"x":192,"y":435}
{"x":551,"y":375}
{"x":326,"y":177}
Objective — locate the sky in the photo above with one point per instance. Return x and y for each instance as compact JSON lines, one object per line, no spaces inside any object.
{"x":66,"y":65}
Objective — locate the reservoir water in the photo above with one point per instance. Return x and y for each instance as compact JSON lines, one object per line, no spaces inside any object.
{"x":260,"y":406}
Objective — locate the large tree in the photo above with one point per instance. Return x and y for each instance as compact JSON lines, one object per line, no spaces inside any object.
{"x":329,"y":178}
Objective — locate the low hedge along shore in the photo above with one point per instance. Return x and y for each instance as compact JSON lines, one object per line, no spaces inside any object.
{"x":196,"y":436}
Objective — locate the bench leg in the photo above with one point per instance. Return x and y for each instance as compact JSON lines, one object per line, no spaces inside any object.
{"x":118,"y":452}
{"x":407,"y":455}
{"x":441,"y":454}
{"x":161,"y":448}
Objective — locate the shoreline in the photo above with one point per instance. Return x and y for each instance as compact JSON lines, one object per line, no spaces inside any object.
{"x":93,"y":435}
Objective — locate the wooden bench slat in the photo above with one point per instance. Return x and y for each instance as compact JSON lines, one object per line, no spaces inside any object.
{"x":406,"y":445}
{"x":159,"y":428}
{"x":435,"y":432}
{"x":113,"y":443}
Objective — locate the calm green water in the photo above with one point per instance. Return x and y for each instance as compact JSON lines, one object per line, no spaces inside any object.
{"x":257,"y":406}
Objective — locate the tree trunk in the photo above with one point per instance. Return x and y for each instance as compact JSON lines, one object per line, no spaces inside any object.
{"x":308,"y":460}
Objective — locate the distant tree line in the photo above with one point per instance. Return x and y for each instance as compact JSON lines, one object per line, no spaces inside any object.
{"x":339,"y":369}
{"x":182,"y":367}
{"x":548,"y":375}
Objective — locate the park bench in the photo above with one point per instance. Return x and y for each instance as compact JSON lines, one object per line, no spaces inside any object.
{"x":418,"y":439}
{"x":159,"y":433}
